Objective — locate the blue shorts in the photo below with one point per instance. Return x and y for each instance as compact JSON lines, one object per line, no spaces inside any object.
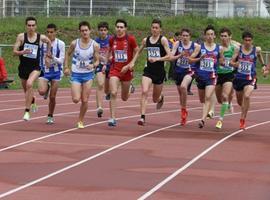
{"x":99,"y":69}
{"x":179,"y":77}
{"x":54,"y":76}
{"x":81,"y":77}
{"x":239,"y":84}
{"x":202,"y":83}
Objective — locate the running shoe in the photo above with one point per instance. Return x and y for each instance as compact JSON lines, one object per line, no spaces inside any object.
{"x":26,"y":116}
{"x":47,"y":92}
{"x":160,"y":103}
{"x":201,"y":124}
{"x":108,"y":97}
{"x":50,"y":120}
{"x":184,"y":115}
{"x":99,"y":112}
{"x":242,"y":124}
{"x":80,"y":125}
{"x":111,"y":122}
{"x":210,"y":115}
{"x":219,"y":124}
{"x":132,"y":88}
{"x":141,"y":122}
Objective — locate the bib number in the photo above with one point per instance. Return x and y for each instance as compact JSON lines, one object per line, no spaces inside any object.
{"x":207,"y":64}
{"x":33,"y":48}
{"x":153,"y":52}
{"x":245,"y":68}
{"x":120,"y":56}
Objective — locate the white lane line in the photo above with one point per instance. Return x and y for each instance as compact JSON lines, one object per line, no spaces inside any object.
{"x":76,"y":112}
{"x":195,"y":159}
{"x":29,"y":184}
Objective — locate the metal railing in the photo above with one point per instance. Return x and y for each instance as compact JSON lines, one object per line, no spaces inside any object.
{"x":213,"y":8}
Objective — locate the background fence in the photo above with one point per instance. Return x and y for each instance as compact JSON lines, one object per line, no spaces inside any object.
{"x":213,"y":8}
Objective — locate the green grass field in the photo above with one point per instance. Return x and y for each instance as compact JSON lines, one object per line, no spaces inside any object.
{"x":139,"y":27}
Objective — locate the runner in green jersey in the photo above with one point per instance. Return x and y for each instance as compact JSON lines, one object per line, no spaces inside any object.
{"x":225,"y":73}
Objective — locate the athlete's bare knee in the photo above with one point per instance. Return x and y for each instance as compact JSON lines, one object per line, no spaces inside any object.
{"x":76,"y":100}
{"x":41,"y":92}
{"x":29,"y":85}
{"x":113,"y":94}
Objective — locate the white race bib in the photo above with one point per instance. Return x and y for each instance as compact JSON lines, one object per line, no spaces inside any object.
{"x":207,"y":64}
{"x":245,"y":67}
{"x":153,"y":52}
{"x":120,"y":56}
{"x":33,"y":48}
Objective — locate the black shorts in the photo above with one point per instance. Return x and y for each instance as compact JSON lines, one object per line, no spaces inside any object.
{"x":223,"y":78}
{"x":25,"y":71}
{"x":99,"y":69}
{"x":157,"y":78}
{"x":239,"y":84}
{"x":202,"y":83}
{"x":179,"y":77}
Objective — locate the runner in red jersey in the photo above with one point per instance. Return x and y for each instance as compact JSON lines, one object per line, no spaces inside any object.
{"x":122,"y":48}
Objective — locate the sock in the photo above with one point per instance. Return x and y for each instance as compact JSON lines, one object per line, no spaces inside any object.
{"x":27,"y":110}
{"x":50,"y":115}
{"x":143,"y":117}
{"x":223,"y":109}
{"x":33,"y":100}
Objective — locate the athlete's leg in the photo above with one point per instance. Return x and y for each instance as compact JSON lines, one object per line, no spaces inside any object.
{"x":42,"y":86}
{"x":248,"y":89}
{"x":209,"y":92}
{"x":183,"y":89}
{"x":100,"y":77}
{"x":86,"y":89}
{"x":114,"y":84}
{"x":29,"y":88}
{"x":52,"y":101}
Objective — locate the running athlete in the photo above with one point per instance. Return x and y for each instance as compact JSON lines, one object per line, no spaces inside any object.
{"x":225,"y":73}
{"x":209,"y":54}
{"x":85,"y":59}
{"x":27,"y":47}
{"x":51,"y":75}
{"x":245,"y":60}
{"x":122,"y":49}
{"x":102,"y":71}
{"x":184,"y":71}
{"x":154,"y":74}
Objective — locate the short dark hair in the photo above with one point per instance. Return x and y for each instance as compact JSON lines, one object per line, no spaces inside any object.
{"x":225,"y":30}
{"x":103,"y":25}
{"x":185,"y":30}
{"x":84,"y":23}
{"x":157,"y":21}
{"x":209,"y":27}
{"x":52,"y":26}
{"x":121,"y":21}
{"x":30,"y":19}
{"x":177,"y":33}
{"x":247,"y":34}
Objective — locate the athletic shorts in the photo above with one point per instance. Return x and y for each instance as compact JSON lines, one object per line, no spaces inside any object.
{"x":56,"y":76}
{"x":25,"y":71}
{"x":239,"y":84}
{"x":223,"y":78}
{"x":99,"y":69}
{"x":157,"y":78}
{"x":81,"y":77}
{"x":122,"y":77}
{"x":180,"y":77}
{"x":202,"y":83}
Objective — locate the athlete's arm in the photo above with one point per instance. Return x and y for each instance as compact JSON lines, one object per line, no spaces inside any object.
{"x":67,"y":57}
{"x":221,"y":56}
{"x":96,"y":55}
{"x":174,"y":49}
{"x":46,"y":40}
{"x":265,"y":69}
{"x":138,"y":52}
{"x":192,"y":58}
{"x":234,"y":62}
{"x":18,"y":43}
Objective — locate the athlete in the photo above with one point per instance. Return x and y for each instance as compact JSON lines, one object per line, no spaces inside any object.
{"x":102,"y":71}
{"x":27,"y":47}
{"x":210,"y":55}
{"x":85,"y":58}
{"x":154,"y":74}
{"x":50,"y":76}
{"x":122,"y":49}
{"x":184,"y":71}
{"x":245,"y":61}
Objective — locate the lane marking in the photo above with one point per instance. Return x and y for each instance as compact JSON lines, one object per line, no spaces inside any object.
{"x":29,"y":184}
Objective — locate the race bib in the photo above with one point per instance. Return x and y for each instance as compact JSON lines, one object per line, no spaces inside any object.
{"x":153,"y":52}
{"x":227,"y":64}
{"x":207,"y":64}
{"x":33,"y":48}
{"x":82,"y":64}
{"x":120,"y":56}
{"x":183,"y":63}
{"x":245,"y":67}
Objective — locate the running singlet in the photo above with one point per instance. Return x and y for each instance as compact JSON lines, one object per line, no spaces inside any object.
{"x":155,"y":51}
{"x":57,"y":47}
{"x":247,"y":64}
{"x":182,"y":64}
{"x":83,"y":57}
{"x":228,"y":56}
{"x":208,"y":64}
{"x":104,"y":49}
{"x":32,"y":59}
{"x":122,"y":51}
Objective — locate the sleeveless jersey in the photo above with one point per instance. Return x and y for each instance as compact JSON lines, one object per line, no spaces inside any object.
{"x":182,"y":64}
{"x":104,"y":47}
{"x":31,"y":59}
{"x":247,"y":64}
{"x":228,"y":56}
{"x":156,"y":50}
{"x":208,"y":64}
{"x":82,"y":57}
